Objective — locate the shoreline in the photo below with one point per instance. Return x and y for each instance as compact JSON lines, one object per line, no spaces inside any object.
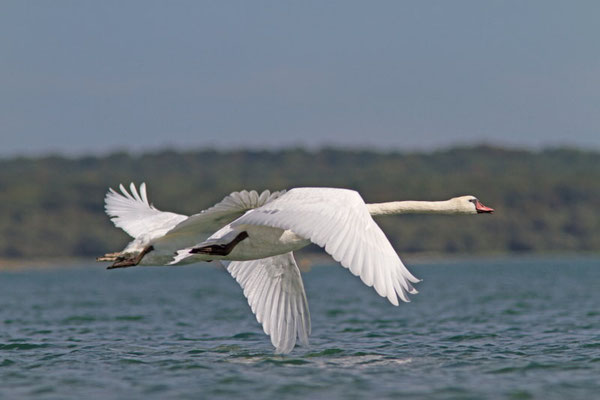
{"x":305,"y":261}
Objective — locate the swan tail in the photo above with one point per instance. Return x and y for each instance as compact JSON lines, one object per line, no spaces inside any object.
{"x":181,"y":255}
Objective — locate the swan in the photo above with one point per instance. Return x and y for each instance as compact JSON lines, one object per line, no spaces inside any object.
{"x":155,"y":239}
{"x":259,"y":233}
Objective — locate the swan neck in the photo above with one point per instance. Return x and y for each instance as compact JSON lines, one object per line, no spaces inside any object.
{"x":412,"y":207}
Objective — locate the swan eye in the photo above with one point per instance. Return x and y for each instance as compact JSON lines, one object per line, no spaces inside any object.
{"x":473,"y":200}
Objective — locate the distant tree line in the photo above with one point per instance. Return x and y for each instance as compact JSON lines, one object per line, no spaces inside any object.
{"x":546,"y":201}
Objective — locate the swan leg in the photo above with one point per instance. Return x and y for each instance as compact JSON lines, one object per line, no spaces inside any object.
{"x":220,"y":249}
{"x":124,"y":262}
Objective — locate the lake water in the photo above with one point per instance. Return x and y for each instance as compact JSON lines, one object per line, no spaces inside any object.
{"x":503,"y":328}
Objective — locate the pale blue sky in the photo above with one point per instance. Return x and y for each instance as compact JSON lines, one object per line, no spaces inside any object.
{"x":83,"y":77}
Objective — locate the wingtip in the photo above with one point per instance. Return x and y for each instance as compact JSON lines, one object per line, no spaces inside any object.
{"x":304,"y":341}
{"x":284,"y":350}
{"x":143,"y":193}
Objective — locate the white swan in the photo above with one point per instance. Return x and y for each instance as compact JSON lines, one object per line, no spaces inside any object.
{"x":261,"y":241}
{"x":155,"y":229}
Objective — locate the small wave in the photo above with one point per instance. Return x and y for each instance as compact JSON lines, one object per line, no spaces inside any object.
{"x":283,"y":361}
{"x":246,"y":335}
{"x":21,"y":346}
{"x":79,"y":319}
{"x":226,"y":348}
{"x":528,"y":367}
{"x":591,"y":345}
{"x":362,"y":361}
{"x":471,"y":336}
{"x":131,"y":361}
{"x":268,"y":359}
{"x":326,"y":352}
{"x":187,"y":367}
{"x":7,"y":363}
{"x":592,"y":314}
{"x":352,"y":330}
{"x":247,"y":359}
{"x":335,"y":312}
{"x":156,"y":388}
{"x":49,"y":357}
{"x":129,"y":317}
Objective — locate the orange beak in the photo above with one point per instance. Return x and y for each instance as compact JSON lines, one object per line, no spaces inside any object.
{"x":482,"y":209}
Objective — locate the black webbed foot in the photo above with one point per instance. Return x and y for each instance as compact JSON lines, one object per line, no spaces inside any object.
{"x":131,"y":261}
{"x":220,"y":249}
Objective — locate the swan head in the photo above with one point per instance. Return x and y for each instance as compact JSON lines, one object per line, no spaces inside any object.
{"x":470,"y":205}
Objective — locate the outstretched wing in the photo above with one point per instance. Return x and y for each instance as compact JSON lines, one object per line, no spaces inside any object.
{"x":135,"y":215}
{"x":199,"y":227}
{"x":274,"y":289}
{"x":339,"y":221}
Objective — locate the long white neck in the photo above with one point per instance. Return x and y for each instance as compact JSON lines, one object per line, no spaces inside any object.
{"x":414,"y":207}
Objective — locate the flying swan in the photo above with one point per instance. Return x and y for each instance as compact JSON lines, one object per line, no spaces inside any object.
{"x":259,"y":233}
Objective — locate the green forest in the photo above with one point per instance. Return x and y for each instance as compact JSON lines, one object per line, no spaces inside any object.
{"x":545,"y":201}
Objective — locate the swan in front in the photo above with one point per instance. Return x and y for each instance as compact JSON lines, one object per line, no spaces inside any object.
{"x":259,"y":233}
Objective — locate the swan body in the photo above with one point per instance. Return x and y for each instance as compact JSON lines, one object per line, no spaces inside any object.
{"x":263,"y":241}
{"x":335,"y":219}
{"x":259,"y":233}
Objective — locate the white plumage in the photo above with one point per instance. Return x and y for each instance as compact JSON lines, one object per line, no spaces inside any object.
{"x":335,"y":219}
{"x":135,"y":215}
{"x":275,"y":293}
{"x":338,"y":221}
{"x":258,"y":234}
{"x":167,"y":232}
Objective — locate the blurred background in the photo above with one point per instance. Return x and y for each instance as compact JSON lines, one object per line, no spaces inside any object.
{"x":398,"y":100}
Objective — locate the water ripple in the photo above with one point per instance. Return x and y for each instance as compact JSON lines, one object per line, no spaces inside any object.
{"x":188,"y":333}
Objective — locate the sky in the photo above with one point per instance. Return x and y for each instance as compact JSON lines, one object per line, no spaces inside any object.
{"x":92,"y":77}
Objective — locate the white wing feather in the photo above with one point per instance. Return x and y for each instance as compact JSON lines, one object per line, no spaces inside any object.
{"x":275,"y":293}
{"x":231,"y":207}
{"x":135,"y":215}
{"x":167,"y":231}
{"x":339,"y":221}
{"x":199,"y":227}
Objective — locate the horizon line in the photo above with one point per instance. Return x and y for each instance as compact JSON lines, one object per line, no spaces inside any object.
{"x":307,"y":149}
